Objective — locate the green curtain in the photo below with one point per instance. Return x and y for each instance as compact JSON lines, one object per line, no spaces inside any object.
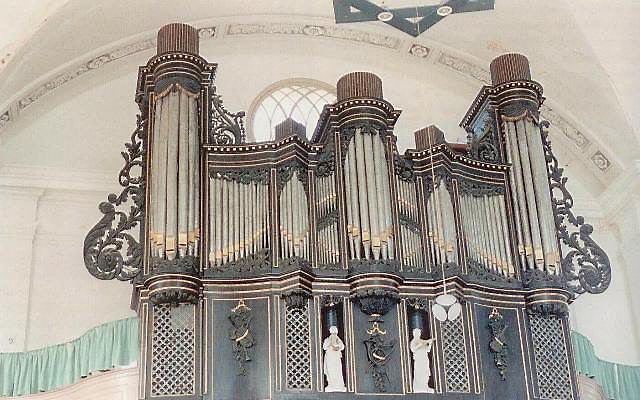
{"x":619,"y":382}
{"x":114,"y":344}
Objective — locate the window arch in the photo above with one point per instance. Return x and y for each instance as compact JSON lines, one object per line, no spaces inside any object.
{"x":300,"y":99}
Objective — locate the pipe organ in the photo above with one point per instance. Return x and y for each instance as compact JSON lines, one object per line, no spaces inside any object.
{"x":336,"y":267}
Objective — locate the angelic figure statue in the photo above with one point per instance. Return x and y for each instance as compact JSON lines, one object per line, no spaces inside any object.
{"x":421,"y":370}
{"x":333,"y":348}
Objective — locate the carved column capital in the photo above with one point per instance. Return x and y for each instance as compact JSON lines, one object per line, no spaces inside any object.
{"x":376,"y":301}
{"x":296,"y":298}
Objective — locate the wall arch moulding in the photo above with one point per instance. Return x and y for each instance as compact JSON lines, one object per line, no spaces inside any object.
{"x":578,"y":141}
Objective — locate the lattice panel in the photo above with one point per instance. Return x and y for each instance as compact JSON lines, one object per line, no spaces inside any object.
{"x":550,"y":352}
{"x":173,"y":350}
{"x":456,"y":370}
{"x":298,"y":348}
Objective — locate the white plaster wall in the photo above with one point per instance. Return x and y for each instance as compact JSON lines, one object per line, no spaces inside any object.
{"x":119,"y":384}
{"x":59,"y":160}
{"x":47,"y":297}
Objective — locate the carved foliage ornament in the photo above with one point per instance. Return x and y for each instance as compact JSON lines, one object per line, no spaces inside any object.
{"x":419,"y":303}
{"x":365,"y":128}
{"x":326,"y":159}
{"x":286,"y":172}
{"x":245,"y":176}
{"x":296,"y":298}
{"x":498,"y":345}
{"x":330,"y":300}
{"x":586,"y":267}
{"x":376,"y":301}
{"x":404,"y":169}
{"x":256,"y":262}
{"x":479,"y":272}
{"x":329,"y":219}
{"x":226,"y":127}
{"x":240,"y":335}
{"x":106,"y":241}
{"x":478,"y":189}
{"x":174,"y":297}
{"x":294,"y":262}
{"x":484,"y":145}
{"x":183,"y":265}
{"x":379,"y":351}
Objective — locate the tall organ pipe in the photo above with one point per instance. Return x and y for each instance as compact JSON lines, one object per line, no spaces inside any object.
{"x":174,"y":211}
{"x":368,"y":197}
{"x":238,"y":220}
{"x":294,"y":222}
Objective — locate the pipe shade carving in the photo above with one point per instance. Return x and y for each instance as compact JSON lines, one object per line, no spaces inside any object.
{"x":586,"y":267}
{"x":106,"y":242}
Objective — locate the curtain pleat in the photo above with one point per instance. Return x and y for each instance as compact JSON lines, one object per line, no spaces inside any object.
{"x":114,"y":344}
{"x":619,"y":382}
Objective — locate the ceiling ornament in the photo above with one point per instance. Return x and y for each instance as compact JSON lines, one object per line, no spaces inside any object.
{"x":334,"y":32}
{"x":410,"y":20}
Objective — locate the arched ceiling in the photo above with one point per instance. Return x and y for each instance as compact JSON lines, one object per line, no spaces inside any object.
{"x":589,"y":92}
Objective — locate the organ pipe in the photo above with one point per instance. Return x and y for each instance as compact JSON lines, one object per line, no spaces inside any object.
{"x":534,"y":221}
{"x":485,"y":229}
{"x":326,"y":206}
{"x":294,"y":220}
{"x":410,"y":239}
{"x":174,"y":213}
{"x":368,"y":197}
{"x":441,"y":237}
{"x":239,"y":221}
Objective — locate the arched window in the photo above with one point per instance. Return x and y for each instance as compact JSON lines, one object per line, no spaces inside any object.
{"x":299,"y":99}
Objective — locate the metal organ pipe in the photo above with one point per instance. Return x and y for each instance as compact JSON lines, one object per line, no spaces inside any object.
{"x":294,"y":222}
{"x":442,"y":235}
{"x":411,"y":241}
{"x":535,"y":224}
{"x":368,"y":197}
{"x":238,"y":219}
{"x":174,"y":211}
{"x":328,"y":252}
{"x":485,"y":227}
{"x":543,"y":195}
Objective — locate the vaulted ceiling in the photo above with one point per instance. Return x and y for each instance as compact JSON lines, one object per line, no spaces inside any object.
{"x":581,"y":50}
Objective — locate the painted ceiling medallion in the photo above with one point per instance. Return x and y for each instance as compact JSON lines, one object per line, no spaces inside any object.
{"x":410,"y":20}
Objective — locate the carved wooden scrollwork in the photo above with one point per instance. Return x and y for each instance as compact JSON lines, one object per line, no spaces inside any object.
{"x":326,"y":159}
{"x":586,"y":267}
{"x":404,"y":169}
{"x":498,"y":345}
{"x":379,"y":351}
{"x":286,"y":172}
{"x":484,"y":146}
{"x":106,"y":242}
{"x":245,"y":176}
{"x":240,"y":335}
{"x":226,"y":127}
{"x":258,"y":262}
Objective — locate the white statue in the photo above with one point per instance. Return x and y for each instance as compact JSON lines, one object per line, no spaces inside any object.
{"x":421,"y":370}
{"x":333,"y":348}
